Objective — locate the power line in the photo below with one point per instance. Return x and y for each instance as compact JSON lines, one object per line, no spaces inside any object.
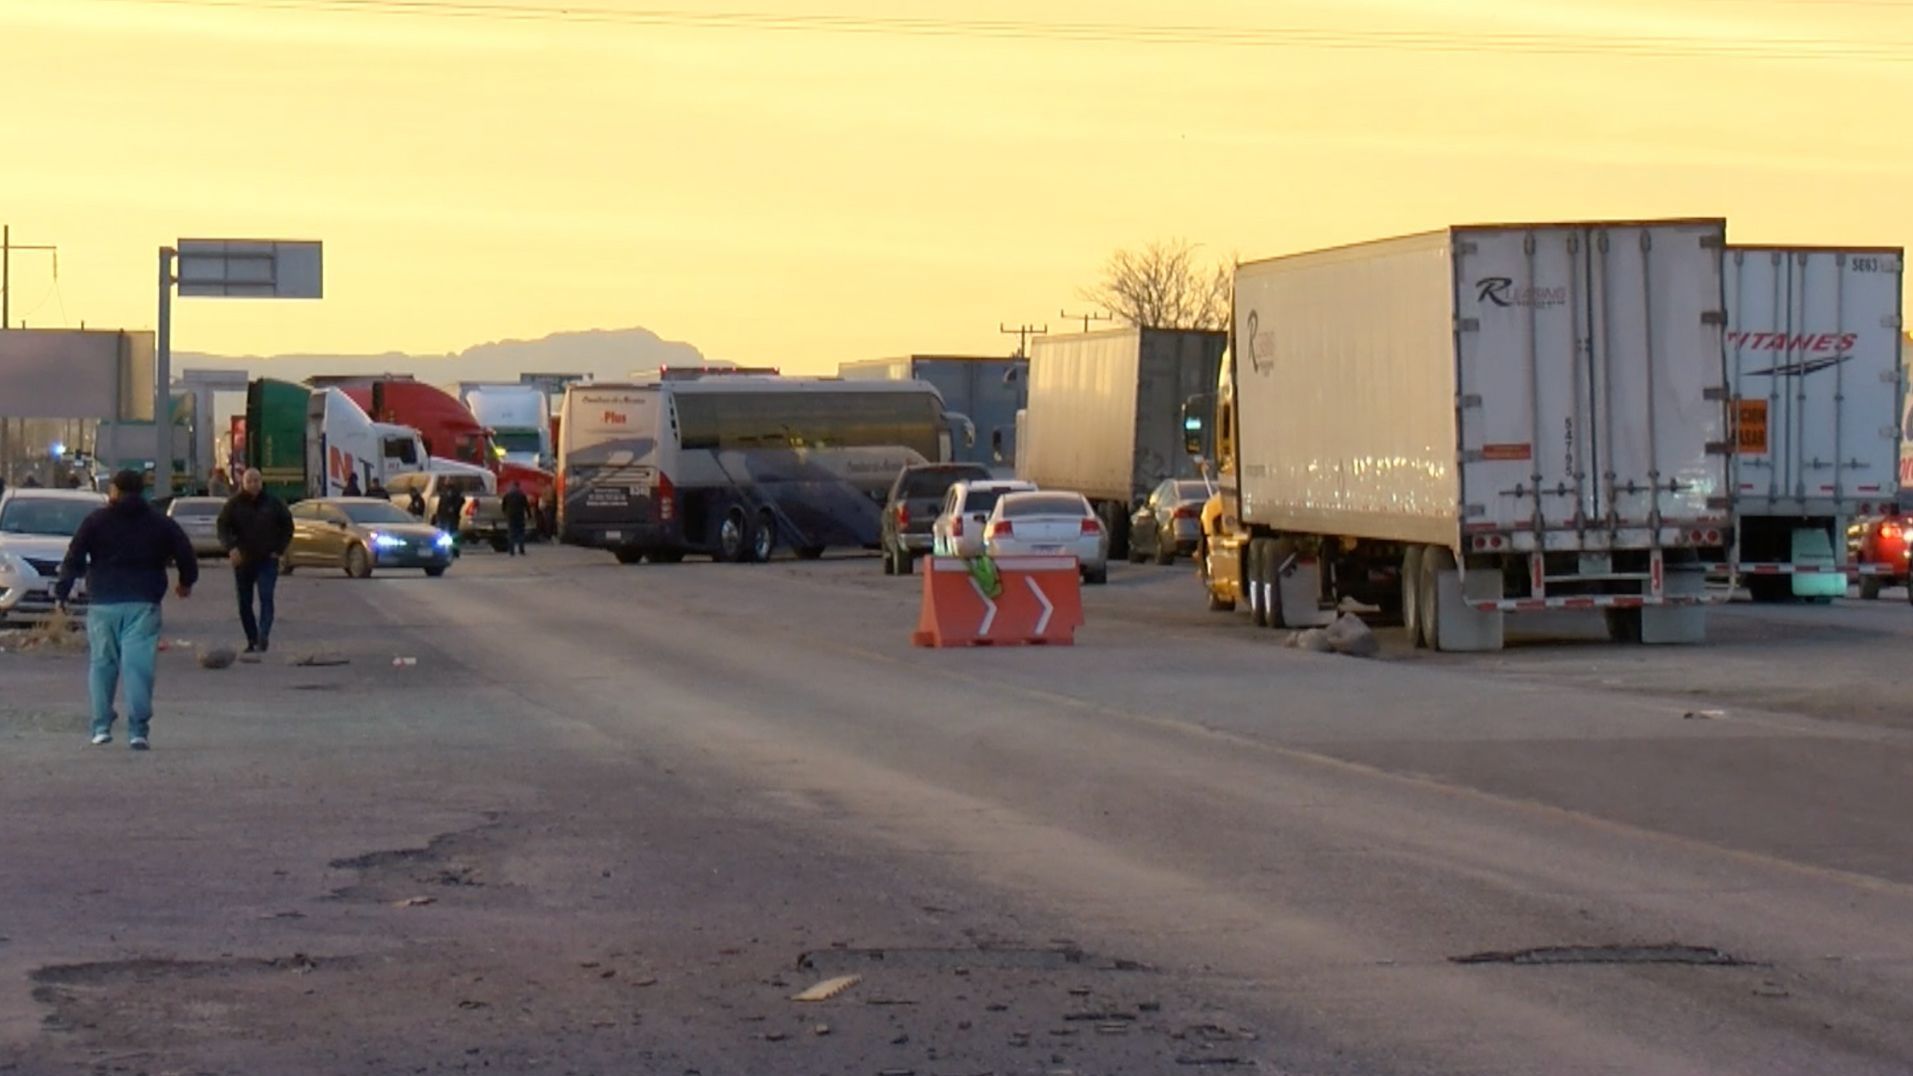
{"x":1549,"y":43}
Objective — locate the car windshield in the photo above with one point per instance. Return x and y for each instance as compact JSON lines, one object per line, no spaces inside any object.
{"x":1022,"y":505}
{"x":363,"y":514}
{"x":1192,"y":490}
{"x":980,"y":501}
{"x":182,"y":509}
{"x":919,"y":485}
{"x":56,"y":517}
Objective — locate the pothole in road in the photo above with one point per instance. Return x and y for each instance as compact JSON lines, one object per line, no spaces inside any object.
{"x":84,"y":997}
{"x":451,"y":860}
{"x":1669,"y":953}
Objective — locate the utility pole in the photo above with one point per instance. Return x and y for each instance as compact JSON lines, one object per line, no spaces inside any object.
{"x":1022,"y":334}
{"x":7,"y":248}
{"x":1087,"y":318}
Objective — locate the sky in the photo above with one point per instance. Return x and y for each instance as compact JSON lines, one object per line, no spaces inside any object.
{"x":802,"y":182}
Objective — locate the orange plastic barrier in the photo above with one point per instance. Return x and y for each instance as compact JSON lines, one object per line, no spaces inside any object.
{"x":1041,"y":602}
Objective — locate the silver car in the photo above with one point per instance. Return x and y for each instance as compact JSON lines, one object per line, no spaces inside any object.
{"x":36,"y":526}
{"x":199,"y":518}
{"x":1048,"y":522}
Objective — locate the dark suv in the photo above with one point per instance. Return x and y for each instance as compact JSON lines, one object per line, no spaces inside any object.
{"x":915,"y":498}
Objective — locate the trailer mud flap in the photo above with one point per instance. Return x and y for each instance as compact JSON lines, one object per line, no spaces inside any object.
{"x":1463,"y":628}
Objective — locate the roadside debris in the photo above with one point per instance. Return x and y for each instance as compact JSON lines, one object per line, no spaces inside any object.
{"x":415,"y":902}
{"x":320,"y":658}
{"x":1314,"y":640}
{"x":399,"y":663}
{"x":829,"y":988}
{"x":219,"y":657}
{"x":1703,"y":715}
{"x":1350,"y":636}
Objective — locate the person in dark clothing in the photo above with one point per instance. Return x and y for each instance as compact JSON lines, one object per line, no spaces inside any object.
{"x":377,"y":489}
{"x":123,"y":550}
{"x":351,"y":487}
{"x":416,"y":505}
{"x":548,"y":512}
{"x":255,"y":529}
{"x":517,"y":508}
{"x":451,"y":510}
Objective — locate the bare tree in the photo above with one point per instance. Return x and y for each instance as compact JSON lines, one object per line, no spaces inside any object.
{"x":1163,"y":286}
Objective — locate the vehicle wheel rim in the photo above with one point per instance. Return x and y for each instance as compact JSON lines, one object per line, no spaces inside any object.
{"x":763,"y":542}
{"x":731,"y":535}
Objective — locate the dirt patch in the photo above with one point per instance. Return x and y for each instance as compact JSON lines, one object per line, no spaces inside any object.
{"x":461,"y":860}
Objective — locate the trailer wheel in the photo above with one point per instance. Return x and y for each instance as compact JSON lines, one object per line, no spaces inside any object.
{"x":1252,"y":580}
{"x":1411,"y":595}
{"x":1434,"y":561}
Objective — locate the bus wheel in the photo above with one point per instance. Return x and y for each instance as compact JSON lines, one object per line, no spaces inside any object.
{"x":733,"y":541}
{"x":763,"y":538}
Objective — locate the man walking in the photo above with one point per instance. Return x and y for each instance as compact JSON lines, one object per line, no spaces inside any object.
{"x":255,"y":529}
{"x":517,"y":508}
{"x":123,"y":549}
{"x":450,"y":513}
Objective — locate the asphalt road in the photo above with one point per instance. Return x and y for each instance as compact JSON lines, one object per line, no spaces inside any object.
{"x":613,"y":818}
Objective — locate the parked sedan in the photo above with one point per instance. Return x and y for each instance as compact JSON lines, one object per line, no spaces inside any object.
{"x":1886,"y":541}
{"x":1037,"y":523}
{"x":910,"y":515}
{"x":958,"y":531}
{"x":199,"y":518}
{"x":36,"y":526}
{"x":360,"y":534}
{"x":1169,"y":522}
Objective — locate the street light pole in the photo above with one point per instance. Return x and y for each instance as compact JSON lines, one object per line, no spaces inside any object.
{"x":162,"y":381}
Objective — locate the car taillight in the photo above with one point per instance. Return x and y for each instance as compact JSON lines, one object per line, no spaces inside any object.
{"x":956,"y":527}
{"x":1090,"y":526}
{"x":1890,"y":530}
{"x":903,"y":515}
{"x":1002,"y":528}
{"x":667,"y":496}
{"x":1186,"y":512}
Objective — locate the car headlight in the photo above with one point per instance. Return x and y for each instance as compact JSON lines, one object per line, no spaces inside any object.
{"x":443,"y":541}
{"x":387,"y":541}
{"x":12,"y":565}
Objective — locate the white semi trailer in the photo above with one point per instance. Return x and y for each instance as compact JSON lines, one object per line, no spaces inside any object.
{"x":1478,"y":421}
{"x":1813,"y":350}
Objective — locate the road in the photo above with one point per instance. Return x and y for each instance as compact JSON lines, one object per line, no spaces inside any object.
{"x":614,"y":817}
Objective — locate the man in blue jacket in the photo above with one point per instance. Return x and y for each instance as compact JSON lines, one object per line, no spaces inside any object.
{"x":123,"y":549}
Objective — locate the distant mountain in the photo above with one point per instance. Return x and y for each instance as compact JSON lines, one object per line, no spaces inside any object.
{"x":606,"y":354}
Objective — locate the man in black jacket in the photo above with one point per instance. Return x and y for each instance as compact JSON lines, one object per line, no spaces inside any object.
{"x":123,"y":550}
{"x":255,"y":529}
{"x":517,"y":508}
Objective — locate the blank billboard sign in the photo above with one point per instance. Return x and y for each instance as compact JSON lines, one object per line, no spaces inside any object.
{"x":250,"y":268}
{"x":76,"y":373}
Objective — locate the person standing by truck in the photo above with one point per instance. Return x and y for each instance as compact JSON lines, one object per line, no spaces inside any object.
{"x":255,"y":528}
{"x":123,"y":549}
{"x":450,"y":513}
{"x":517,"y":508}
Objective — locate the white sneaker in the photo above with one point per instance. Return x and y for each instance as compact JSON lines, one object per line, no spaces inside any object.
{"x":102,"y":738}
{"x":137,"y":743}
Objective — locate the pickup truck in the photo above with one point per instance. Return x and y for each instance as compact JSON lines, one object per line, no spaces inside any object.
{"x":483,"y":518}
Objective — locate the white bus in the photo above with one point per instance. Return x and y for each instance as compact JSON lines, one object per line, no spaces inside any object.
{"x":732,"y":467}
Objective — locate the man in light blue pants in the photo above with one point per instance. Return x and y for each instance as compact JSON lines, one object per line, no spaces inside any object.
{"x":124,"y":640}
{"x":123,"y":549}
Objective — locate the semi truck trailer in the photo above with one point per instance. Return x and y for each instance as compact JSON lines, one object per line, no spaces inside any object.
{"x":1478,"y":421}
{"x":1105,"y":415}
{"x":1813,"y":350}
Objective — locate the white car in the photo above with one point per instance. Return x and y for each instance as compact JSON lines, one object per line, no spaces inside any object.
{"x":199,"y":518}
{"x":36,"y":526}
{"x":958,"y":531}
{"x":1050,"y":523}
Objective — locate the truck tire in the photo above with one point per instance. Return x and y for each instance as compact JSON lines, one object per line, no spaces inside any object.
{"x":734,"y":537}
{"x":1434,"y":561}
{"x":1252,"y":580}
{"x":1870,"y":587}
{"x":763,"y":538}
{"x":628,"y":554}
{"x":1411,"y":594}
{"x":1281,"y":551}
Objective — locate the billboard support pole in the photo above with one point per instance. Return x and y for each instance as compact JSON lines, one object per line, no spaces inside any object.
{"x":162,"y":381}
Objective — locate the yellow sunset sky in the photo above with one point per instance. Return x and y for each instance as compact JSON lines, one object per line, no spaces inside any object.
{"x":800,"y":196}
